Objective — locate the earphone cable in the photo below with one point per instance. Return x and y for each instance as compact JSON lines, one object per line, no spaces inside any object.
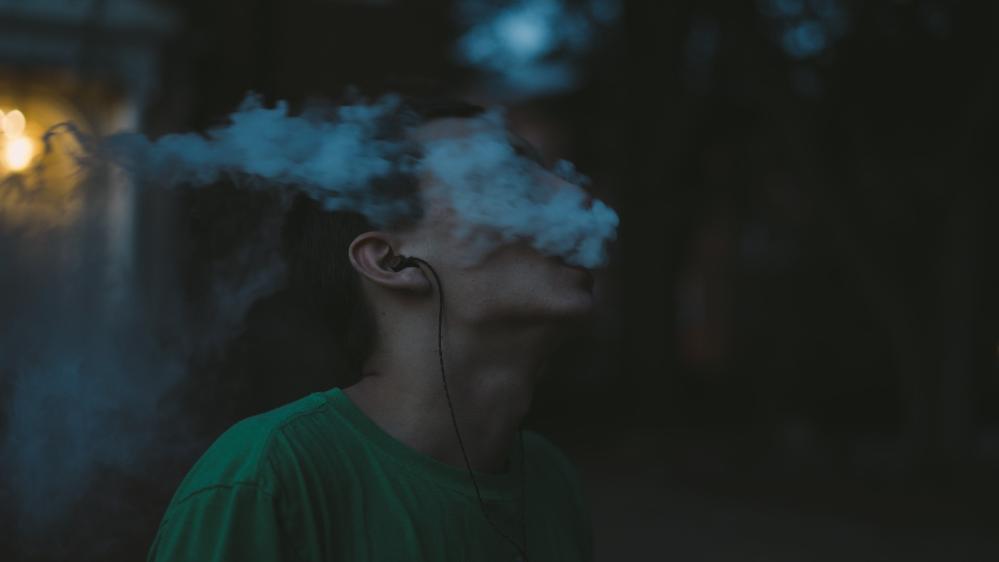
{"x":461,"y":444}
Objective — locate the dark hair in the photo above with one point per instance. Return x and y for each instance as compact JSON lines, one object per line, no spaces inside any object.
{"x":315,"y":241}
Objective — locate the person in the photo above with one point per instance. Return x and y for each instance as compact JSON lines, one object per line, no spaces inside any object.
{"x":406,"y":463}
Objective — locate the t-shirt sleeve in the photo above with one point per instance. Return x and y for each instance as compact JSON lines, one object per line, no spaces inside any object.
{"x":237,"y":523}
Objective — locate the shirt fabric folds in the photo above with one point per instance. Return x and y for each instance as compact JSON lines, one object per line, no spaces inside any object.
{"x":317,"y":480}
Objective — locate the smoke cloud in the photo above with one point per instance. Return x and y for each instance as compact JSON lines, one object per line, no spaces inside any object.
{"x":493,"y":188}
{"x":335,"y":159}
{"x":82,"y":369}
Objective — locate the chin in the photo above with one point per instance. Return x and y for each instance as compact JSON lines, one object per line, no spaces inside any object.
{"x":573,"y":320}
{"x":579,"y":305}
{"x":576,"y":294}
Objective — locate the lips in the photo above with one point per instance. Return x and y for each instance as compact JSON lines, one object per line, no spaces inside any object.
{"x":586,"y":273}
{"x":561,"y":261}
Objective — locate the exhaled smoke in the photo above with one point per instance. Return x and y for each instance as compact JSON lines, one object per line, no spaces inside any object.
{"x":494,"y":189}
{"x":335,"y":159}
{"x":82,"y":371}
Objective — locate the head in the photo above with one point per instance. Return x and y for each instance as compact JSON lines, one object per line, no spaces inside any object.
{"x":344,"y":262}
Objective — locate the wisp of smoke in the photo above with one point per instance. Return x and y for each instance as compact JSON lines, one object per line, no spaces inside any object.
{"x":336,"y":158}
{"x":494,"y":189}
{"x":333,"y":159}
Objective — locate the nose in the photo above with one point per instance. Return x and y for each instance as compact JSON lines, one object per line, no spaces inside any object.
{"x":555,"y":184}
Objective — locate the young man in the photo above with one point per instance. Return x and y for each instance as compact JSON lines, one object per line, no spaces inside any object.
{"x":377,"y":471}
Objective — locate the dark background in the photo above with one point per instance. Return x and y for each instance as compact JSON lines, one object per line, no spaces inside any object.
{"x":795,"y":351}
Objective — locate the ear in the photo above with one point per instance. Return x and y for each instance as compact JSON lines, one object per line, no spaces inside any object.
{"x":371,"y":255}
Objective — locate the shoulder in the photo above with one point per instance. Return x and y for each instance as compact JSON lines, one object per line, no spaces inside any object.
{"x":244,"y":455}
{"x":232,"y":504}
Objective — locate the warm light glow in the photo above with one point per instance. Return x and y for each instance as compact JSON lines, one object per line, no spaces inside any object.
{"x":13,"y":124}
{"x":30,"y":193}
{"x":18,"y":153}
{"x":17,"y":148}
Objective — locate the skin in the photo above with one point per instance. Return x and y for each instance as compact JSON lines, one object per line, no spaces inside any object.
{"x":504,"y":316}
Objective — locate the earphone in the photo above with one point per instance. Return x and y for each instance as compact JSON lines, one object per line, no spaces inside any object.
{"x":397,"y":264}
{"x":402,"y":262}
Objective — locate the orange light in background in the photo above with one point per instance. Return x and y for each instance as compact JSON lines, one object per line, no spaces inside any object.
{"x":13,"y":124}
{"x":18,"y":149}
{"x":18,"y":153}
{"x":32,"y":195}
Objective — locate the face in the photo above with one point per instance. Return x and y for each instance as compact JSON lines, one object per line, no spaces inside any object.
{"x":512,"y":282}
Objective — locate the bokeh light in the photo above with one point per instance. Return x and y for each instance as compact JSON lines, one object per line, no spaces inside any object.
{"x":13,"y":124}
{"x":18,"y":153}
{"x":532,"y":47}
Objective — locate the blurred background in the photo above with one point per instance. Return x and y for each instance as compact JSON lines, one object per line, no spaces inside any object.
{"x":794,"y":354}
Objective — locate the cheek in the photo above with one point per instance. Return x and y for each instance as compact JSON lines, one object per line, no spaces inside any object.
{"x":516,"y":277}
{"x":541,"y":280}
{"x":505,"y":287}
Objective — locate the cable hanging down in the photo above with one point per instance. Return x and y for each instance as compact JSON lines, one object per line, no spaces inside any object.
{"x":402,"y":262}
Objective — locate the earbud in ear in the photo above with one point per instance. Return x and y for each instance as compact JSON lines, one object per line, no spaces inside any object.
{"x":399,"y":263}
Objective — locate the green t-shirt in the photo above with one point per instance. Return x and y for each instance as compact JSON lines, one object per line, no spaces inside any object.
{"x":318,"y":480}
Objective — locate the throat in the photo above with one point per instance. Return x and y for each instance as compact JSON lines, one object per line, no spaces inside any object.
{"x":425,"y":421}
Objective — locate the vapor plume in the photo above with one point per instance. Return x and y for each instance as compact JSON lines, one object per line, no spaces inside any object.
{"x":335,"y":159}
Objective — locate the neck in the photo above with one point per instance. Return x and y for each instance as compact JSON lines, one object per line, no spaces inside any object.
{"x":490,"y":379}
